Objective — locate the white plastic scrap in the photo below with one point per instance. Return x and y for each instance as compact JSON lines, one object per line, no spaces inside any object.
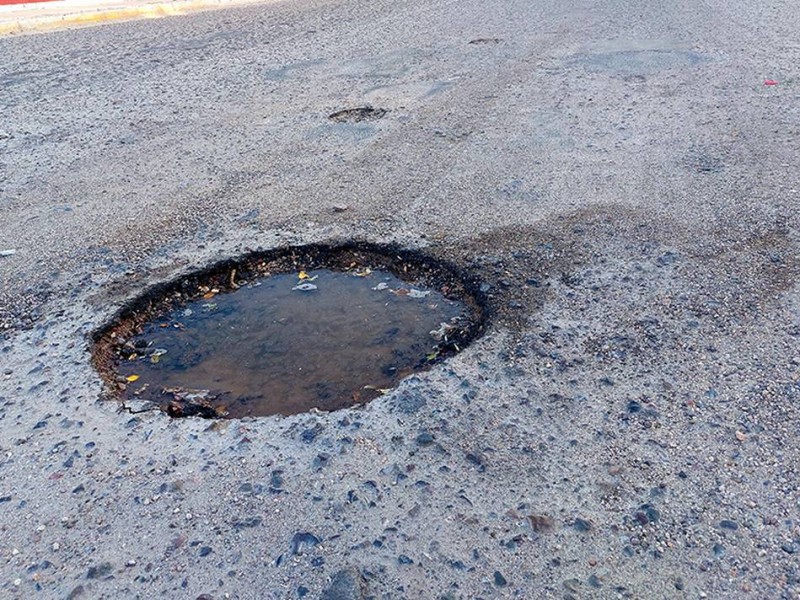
{"x":412,"y":293}
{"x":305,"y":287}
{"x":443,"y":330}
{"x":7,"y":252}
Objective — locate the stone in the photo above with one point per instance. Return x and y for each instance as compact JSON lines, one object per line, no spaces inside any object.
{"x":424,"y":439}
{"x":410,"y":401}
{"x":302,"y":541}
{"x":98,"y":571}
{"x":791,"y":548}
{"x":347,"y":584}
{"x":541,"y":523}
{"x":309,"y":435}
{"x":476,"y":459}
{"x":76,"y":592}
{"x":582,"y":525}
{"x":647,"y":514}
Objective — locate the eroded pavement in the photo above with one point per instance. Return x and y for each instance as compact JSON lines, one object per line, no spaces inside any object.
{"x":618,"y":175}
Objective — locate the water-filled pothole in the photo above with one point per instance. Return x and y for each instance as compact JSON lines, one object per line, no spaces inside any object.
{"x":287,"y":331}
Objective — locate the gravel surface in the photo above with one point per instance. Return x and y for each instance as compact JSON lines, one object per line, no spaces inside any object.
{"x":616,"y":172}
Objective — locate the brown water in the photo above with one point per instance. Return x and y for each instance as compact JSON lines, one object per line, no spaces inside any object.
{"x":275,"y":348}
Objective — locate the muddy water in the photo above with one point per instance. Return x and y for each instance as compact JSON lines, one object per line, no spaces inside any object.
{"x":285,"y":344}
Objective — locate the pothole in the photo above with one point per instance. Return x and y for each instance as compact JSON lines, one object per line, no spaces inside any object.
{"x":485,"y":42}
{"x":358,"y":114}
{"x":287,"y":331}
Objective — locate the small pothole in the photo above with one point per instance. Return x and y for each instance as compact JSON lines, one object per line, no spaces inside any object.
{"x":485,"y":41}
{"x":288,"y":331}
{"x":358,"y":114}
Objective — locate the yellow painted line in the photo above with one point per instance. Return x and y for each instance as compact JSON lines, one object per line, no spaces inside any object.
{"x":94,"y":16}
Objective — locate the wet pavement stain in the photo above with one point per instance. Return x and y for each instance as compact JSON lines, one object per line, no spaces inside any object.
{"x":642,"y":61}
{"x":288,"y":343}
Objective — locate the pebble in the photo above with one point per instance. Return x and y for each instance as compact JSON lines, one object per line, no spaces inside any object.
{"x":728,"y":524}
{"x":346,"y":584}
{"x":791,"y":548}
{"x":646,"y":514}
{"x":309,"y":435}
{"x":477,"y":460}
{"x":594,"y":581}
{"x":410,"y":401}
{"x":499,"y":580}
{"x":276,"y":480}
{"x":541,"y":523}
{"x":302,"y":541}
{"x":76,"y":592}
{"x":99,"y":571}
{"x":424,"y":439}
{"x":582,"y":525}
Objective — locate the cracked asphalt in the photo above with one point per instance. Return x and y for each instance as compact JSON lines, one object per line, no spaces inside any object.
{"x":616,"y":172}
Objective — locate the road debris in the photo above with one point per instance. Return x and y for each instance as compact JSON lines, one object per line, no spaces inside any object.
{"x":190,"y":403}
{"x":304,"y":287}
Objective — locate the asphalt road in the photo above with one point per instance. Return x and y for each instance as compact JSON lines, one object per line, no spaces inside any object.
{"x":616,"y":171}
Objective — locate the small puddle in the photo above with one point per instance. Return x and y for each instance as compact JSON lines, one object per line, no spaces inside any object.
{"x":250,"y":341}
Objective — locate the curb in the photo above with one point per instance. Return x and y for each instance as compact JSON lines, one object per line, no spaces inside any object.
{"x":92,"y":15}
